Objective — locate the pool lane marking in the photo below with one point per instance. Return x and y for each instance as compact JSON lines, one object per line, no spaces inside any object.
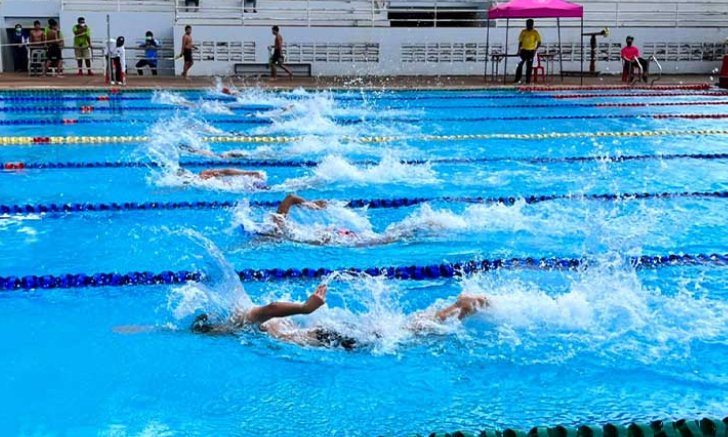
{"x":54,"y":140}
{"x":88,"y":109}
{"x":411,"y":272}
{"x":294,"y":163}
{"x":507,"y":96}
{"x":345,"y":121}
{"x":62,"y":208}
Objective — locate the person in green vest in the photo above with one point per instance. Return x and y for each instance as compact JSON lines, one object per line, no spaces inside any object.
{"x":82,"y":45}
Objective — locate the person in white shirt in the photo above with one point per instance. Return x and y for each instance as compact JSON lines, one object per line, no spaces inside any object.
{"x":117,"y":55}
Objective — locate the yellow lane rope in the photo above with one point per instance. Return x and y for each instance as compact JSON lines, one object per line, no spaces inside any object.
{"x":382,"y":139}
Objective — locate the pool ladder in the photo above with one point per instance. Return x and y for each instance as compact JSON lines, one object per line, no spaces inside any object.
{"x":636,"y":79}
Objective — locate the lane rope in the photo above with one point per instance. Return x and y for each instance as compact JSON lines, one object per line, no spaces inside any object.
{"x":413,"y":272}
{"x":520,"y":95}
{"x":295,"y":163}
{"x":4,"y":141}
{"x":87,"y":109}
{"x":349,"y":121}
{"x":354,"y":203}
{"x":56,"y":91}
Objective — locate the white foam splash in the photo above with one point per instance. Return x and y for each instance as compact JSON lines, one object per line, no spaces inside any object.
{"x":219,"y":294}
{"x":335,"y":169}
{"x":605,"y":311}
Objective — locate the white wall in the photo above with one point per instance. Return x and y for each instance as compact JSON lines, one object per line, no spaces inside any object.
{"x":390,"y":42}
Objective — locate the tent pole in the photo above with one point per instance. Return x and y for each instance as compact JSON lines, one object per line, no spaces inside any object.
{"x":561,"y":59}
{"x":582,"y":50}
{"x":505,"y":54}
{"x":487,"y":47}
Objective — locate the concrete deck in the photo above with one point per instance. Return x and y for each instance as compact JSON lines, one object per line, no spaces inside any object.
{"x":23,"y":81}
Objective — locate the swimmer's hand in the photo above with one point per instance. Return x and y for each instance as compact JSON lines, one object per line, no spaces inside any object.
{"x":315,"y":204}
{"x":317,"y":299}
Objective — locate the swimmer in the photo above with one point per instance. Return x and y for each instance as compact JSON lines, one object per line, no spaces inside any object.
{"x":281,"y":227}
{"x":272,"y":319}
{"x":210,"y":154}
{"x":224,"y":174}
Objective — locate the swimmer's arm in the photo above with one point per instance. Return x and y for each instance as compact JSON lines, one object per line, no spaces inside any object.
{"x":291,"y":200}
{"x":264,"y":313}
{"x":448,"y":312}
{"x":201,"y":152}
{"x":207,"y":174}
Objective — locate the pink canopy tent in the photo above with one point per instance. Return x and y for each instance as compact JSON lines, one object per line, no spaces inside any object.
{"x":535,"y":9}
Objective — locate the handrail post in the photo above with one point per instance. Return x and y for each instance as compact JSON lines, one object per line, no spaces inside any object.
{"x":308,"y":12}
{"x":434,"y":23}
{"x":118,"y":5}
{"x":372,"y":5}
{"x":616,"y":14}
{"x":677,"y":14}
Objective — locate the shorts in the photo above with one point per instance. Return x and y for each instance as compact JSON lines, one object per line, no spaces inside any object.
{"x":276,"y":58}
{"x":84,"y":53}
{"x":54,"y":52}
{"x":187,"y":55}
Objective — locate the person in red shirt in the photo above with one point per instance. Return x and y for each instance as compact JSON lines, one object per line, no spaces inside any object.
{"x":631,"y":57}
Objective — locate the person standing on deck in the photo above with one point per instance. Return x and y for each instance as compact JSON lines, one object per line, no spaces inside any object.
{"x":82,"y":45}
{"x":528,"y":42}
{"x":187,"y":47}
{"x":277,"y":57}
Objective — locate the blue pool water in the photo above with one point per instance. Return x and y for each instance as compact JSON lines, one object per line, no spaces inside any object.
{"x":611,"y":343}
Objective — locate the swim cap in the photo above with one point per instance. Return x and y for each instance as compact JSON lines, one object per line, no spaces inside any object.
{"x":226,"y":90}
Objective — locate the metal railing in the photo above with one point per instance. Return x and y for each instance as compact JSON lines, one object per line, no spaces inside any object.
{"x":118,"y":5}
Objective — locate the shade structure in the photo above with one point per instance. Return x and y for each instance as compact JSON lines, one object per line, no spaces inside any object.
{"x":536,"y":9}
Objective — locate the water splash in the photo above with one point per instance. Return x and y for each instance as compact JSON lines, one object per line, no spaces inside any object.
{"x":605,"y":311}
{"x":219,"y":294}
{"x":336,"y":169}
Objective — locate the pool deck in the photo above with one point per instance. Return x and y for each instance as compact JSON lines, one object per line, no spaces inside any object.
{"x":23,"y":81}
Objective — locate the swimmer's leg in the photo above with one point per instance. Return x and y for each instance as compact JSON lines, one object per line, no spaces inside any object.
{"x":264,"y":313}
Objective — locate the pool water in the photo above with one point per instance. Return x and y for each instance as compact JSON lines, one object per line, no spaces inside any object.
{"x":607,"y":343}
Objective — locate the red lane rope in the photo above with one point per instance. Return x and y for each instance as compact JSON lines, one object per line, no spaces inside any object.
{"x":700,"y":86}
{"x":636,"y":95}
{"x":639,"y":104}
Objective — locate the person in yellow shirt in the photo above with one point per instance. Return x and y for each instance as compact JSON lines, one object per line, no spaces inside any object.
{"x":528,"y":42}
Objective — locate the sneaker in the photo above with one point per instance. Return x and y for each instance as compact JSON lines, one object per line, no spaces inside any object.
{"x":80,"y":73}
{"x":90,"y":73}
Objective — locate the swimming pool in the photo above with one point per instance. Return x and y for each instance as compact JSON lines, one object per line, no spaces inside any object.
{"x":608,"y":341}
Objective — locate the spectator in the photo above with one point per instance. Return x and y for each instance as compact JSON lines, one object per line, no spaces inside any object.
{"x":20,"y":49}
{"x":277,"y":57}
{"x":150,"y":46}
{"x":37,"y":48}
{"x":54,"y":38}
{"x":528,"y":42}
{"x":254,"y":3}
{"x":82,"y":45}
{"x":630,"y":59}
{"x":117,"y":54}
{"x":195,"y":3}
{"x":187,"y":47}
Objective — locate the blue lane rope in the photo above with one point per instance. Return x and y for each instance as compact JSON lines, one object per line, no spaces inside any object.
{"x":352,"y":121}
{"x":433,"y":271}
{"x":355,"y":203}
{"x":243,"y":108}
{"x":506,"y":96}
{"x":295,"y":163}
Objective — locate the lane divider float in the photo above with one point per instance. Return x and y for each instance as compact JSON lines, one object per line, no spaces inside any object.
{"x":378,"y":139}
{"x":349,"y":121}
{"x":296,"y":163}
{"x":413,"y":272}
{"x":354,"y":203}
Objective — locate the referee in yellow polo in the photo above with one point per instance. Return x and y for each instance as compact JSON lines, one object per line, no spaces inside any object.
{"x":528,"y":42}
